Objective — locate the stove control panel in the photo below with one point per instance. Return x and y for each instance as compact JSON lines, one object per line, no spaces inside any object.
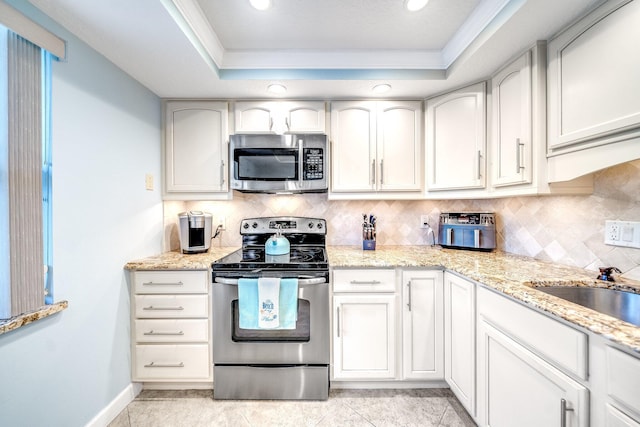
{"x":287,"y":225}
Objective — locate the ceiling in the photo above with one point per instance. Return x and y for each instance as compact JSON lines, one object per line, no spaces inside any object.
{"x":320,"y":49}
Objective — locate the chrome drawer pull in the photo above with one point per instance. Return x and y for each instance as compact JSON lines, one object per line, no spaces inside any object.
{"x":365,"y":282}
{"x":152,"y":332}
{"x":563,"y":412}
{"x":162,"y":284}
{"x":163,"y":308}
{"x":164,"y":365}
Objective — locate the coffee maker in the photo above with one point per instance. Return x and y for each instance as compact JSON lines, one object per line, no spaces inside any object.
{"x":195,"y":231}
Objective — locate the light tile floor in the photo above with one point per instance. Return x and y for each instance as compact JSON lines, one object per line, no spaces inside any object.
{"x":194,"y":408}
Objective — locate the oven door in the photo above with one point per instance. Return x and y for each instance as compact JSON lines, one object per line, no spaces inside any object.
{"x":307,"y":344}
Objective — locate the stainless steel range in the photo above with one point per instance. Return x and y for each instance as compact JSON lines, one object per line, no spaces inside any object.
{"x":273,"y":363}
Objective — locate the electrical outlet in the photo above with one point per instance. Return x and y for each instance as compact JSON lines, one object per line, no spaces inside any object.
{"x":622,"y":233}
{"x":223,"y":222}
{"x":424,"y":221}
{"x":611,"y":231}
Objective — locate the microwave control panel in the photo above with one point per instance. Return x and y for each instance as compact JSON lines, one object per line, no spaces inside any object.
{"x":313,"y":164}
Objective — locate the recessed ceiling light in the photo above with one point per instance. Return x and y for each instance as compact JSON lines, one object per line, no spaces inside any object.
{"x":260,"y":4}
{"x":415,"y":5}
{"x":277,"y":88}
{"x":382,"y":88}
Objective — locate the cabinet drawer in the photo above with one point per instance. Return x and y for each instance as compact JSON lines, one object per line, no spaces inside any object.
{"x":172,"y":330}
{"x":172,"y":362}
{"x":171,"y":282}
{"x":364,"y":280}
{"x":171,"y":306}
{"x":556,"y":342}
{"x":623,"y":378}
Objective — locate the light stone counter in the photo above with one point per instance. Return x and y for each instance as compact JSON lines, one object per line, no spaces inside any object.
{"x":175,"y":260}
{"x":512,"y":275}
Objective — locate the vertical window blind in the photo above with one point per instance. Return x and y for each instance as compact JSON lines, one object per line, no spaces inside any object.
{"x":22,"y":170}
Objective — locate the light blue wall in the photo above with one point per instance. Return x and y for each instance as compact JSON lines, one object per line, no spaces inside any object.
{"x":63,"y":370}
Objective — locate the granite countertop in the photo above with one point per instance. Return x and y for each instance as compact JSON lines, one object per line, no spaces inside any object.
{"x":513,"y":275}
{"x":176,"y":260}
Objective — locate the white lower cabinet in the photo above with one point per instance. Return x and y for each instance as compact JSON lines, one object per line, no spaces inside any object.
{"x":622,"y":385}
{"x":364,"y":337}
{"x":376,"y":339}
{"x":422,"y":325}
{"x":515,"y":385}
{"x":171,"y":327}
{"x":364,"y":324}
{"x":460,"y":339}
{"x":616,"y":418}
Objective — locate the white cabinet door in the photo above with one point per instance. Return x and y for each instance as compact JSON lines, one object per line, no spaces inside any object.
{"x":376,"y":146}
{"x":511,"y":123}
{"x":196,"y":147}
{"x":398,"y":148}
{"x":364,"y":336}
{"x":254,"y":117}
{"x":594,"y":110}
{"x":353,"y":148}
{"x":423,"y":325}
{"x":515,"y":387}
{"x":460,"y":339}
{"x":279,"y":117}
{"x":616,"y":418}
{"x":455,"y":139}
{"x":304,"y":117}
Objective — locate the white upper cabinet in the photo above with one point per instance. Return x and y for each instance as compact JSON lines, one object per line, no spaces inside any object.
{"x":196,"y":150}
{"x":376,"y":148}
{"x":511,"y":139}
{"x":456,"y":139}
{"x":593,"y":89}
{"x":280,"y":117}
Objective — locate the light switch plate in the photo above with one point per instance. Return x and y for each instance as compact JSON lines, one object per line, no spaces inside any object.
{"x":622,"y":233}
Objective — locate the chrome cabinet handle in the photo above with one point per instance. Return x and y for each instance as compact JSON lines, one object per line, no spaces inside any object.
{"x":479,"y":164}
{"x":373,"y":172}
{"x":409,"y":294}
{"x":381,"y":171}
{"x":163,"y":308}
{"x":164,"y":365}
{"x":152,"y":332}
{"x":563,"y":412}
{"x":162,"y":284}
{"x":338,"y":321}
{"x":519,"y":147}
{"x":365,"y":282}
{"x":222,"y":180}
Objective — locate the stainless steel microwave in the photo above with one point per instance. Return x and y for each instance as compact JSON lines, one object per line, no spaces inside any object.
{"x":279,"y":163}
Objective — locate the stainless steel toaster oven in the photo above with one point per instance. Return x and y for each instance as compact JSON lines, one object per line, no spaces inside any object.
{"x":467,"y":230}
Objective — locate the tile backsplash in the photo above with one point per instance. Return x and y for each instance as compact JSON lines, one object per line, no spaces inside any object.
{"x":563,"y":229}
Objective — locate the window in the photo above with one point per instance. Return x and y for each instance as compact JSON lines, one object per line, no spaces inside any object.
{"x":25,"y":163}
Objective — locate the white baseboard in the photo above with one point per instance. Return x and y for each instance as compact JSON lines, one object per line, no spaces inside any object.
{"x":387,"y":384}
{"x":117,"y":405}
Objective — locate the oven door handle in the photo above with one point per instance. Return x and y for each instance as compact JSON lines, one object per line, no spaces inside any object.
{"x":301,"y":282}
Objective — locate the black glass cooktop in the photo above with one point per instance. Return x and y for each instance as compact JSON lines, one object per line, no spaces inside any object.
{"x":299,"y":258}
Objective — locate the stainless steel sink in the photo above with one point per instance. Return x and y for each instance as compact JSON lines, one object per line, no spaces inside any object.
{"x":621,"y":305}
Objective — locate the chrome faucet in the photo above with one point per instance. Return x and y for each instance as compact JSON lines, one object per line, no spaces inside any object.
{"x":606,"y":273}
